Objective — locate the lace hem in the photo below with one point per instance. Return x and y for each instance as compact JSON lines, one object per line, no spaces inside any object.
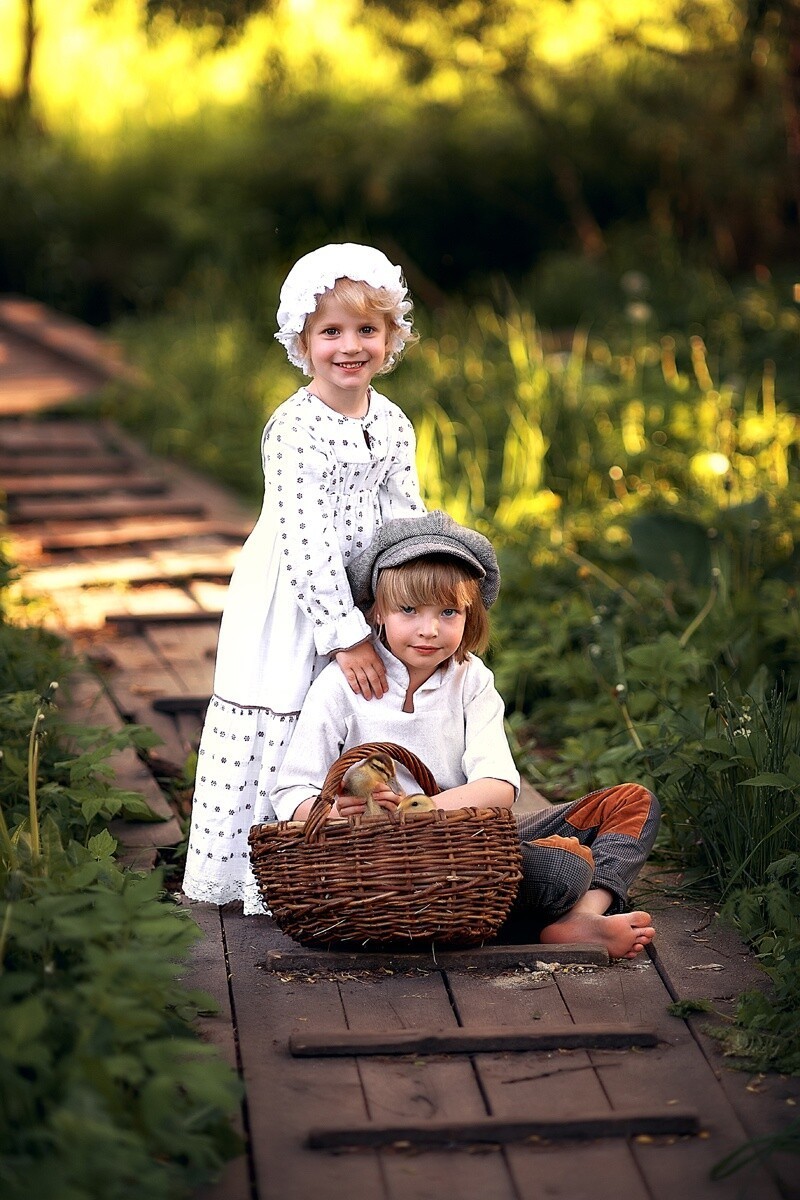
{"x":219,"y":893}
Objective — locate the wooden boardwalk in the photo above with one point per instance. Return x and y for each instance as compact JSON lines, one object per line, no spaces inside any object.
{"x":132,"y":556}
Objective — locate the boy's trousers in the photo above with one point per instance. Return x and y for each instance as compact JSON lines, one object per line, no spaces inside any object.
{"x":615,"y":829}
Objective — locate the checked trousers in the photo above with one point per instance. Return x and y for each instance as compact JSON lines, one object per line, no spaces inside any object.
{"x":599,"y":841}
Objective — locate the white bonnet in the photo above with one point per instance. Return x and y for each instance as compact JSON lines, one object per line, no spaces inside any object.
{"x":317,"y":272}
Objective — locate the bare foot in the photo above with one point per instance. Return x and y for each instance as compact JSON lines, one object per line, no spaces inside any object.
{"x":624,"y":935}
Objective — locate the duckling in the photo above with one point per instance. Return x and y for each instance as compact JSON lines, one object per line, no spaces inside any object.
{"x":361,"y":779}
{"x":418,"y":803}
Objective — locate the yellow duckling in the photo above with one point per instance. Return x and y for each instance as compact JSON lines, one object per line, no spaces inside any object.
{"x":361,"y":779}
{"x":418,"y":803}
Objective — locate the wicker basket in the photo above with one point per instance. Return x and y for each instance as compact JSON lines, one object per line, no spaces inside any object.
{"x":448,"y":877}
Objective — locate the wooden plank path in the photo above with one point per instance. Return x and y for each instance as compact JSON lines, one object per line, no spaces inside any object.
{"x":526,"y":1074}
{"x":479,"y":1121}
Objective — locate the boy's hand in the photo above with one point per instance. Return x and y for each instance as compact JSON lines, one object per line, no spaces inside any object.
{"x":353,"y":806}
{"x":363,"y":670}
{"x":347,"y":806}
{"x":386,"y":798}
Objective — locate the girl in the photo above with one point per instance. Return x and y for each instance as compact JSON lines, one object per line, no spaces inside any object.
{"x":426,"y":584}
{"x":338,"y":460}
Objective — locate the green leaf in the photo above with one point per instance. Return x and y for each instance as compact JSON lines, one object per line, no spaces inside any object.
{"x":770,"y":779}
{"x":102,"y":845}
{"x":92,"y":807}
{"x":685,"y":1008}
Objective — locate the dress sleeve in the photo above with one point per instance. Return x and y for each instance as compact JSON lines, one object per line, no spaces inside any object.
{"x":317,"y":742}
{"x":296,"y":474}
{"x":486,"y":753}
{"x":400,"y":496}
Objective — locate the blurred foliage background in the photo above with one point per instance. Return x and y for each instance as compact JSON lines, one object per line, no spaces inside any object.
{"x":146,"y":139}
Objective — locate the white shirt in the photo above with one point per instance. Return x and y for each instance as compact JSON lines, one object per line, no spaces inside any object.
{"x":456,"y":728}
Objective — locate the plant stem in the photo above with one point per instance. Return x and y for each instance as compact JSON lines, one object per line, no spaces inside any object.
{"x":33,"y":766}
{"x":629,"y":725}
{"x":694,"y":625}
{"x":602,"y":575}
{"x":5,"y":839}
{"x":4,"y":934}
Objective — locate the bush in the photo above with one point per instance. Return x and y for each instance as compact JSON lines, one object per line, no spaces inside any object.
{"x":104,"y":1087}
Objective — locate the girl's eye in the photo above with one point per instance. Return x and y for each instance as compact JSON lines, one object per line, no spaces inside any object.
{"x":408,"y":609}
{"x":368,"y":330}
{"x":450,"y":612}
{"x":331,"y":331}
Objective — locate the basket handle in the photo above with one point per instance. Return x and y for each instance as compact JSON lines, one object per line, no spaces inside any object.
{"x":315,"y":822}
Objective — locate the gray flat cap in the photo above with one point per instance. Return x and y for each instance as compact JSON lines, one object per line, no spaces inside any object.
{"x":406,"y":538}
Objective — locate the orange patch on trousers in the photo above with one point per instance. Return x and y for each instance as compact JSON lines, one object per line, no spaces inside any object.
{"x":620,"y":809}
{"x":571,"y":845}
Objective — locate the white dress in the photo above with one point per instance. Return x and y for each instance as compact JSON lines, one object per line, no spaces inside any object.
{"x":329,"y":484}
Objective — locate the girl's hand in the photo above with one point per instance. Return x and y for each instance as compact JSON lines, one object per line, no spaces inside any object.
{"x":363,"y":670}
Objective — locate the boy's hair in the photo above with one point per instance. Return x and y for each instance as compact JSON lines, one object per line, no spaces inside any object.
{"x":367,"y":301}
{"x":440,"y":580}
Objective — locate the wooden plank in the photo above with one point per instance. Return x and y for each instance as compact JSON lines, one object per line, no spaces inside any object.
{"x":156,"y":567}
{"x":61,"y":463}
{"x":82,"y":609}
{"x":48,"y":383}
{"x":285,"y":1095}
{"x":190,"y":650}
{"x":79,"y":610}
{"x":121,"y":533}
{"x":88,"y":704}
{"x":546,"y":1083}
{"x":190,"y":728}
{"x":208,"y":971}
{"x":139,"y":676}
{"x":322,"y":1044}
{"x":52,"y":436}
{"x":499,"y":1131}
{"x":480,"y":958}
{"x":417,"y":1089}
{"x":224,"y":505}
{"x":209,"y":594}
{"x":85,"y":484}
{"x":65,"y":337}
{"x":675,"y":1073}
{"x":701,"y":958}
{"x":101,"y":508}
{"x":144,"y":599}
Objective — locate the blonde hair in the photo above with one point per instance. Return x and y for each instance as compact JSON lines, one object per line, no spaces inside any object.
{"x":366,"y":301}
{"x":439,"y":580}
